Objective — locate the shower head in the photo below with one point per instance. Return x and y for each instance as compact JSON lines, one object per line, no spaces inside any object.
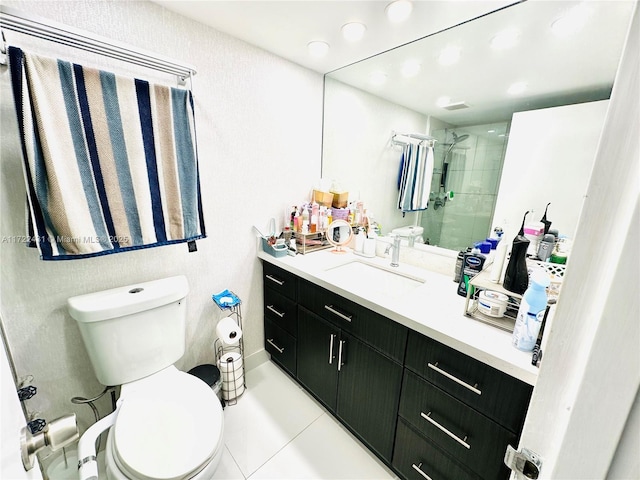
{"x":458,"y":139}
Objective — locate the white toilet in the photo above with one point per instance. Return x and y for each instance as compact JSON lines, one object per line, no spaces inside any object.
{"x":168,"y":424}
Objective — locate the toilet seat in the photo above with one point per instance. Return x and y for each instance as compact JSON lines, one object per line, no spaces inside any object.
{"x":169,"y":427}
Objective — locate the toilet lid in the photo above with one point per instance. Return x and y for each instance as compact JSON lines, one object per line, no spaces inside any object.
{"x":169,"y":432}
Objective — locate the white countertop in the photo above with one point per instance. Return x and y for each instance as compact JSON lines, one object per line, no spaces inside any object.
{"x":432,"y":308}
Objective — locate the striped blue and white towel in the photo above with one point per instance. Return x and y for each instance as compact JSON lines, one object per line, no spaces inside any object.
{"x":110,"y":162}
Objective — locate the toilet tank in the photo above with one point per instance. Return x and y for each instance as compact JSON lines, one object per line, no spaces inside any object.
{"x":134,"y":331}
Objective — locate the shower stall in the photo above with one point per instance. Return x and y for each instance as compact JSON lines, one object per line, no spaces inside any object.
{"x":466,"y":176}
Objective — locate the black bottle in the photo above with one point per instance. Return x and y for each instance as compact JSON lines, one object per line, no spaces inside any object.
{"x":516,"y":277}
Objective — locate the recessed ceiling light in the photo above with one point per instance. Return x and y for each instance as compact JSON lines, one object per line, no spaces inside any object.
{"x":399,"y":10}
{"x":505,"y":39}
{"x":353,"y":31}
{"x":517,"y":88}
{"x":410,"y":68}
{"x":449,"y":55}
{"x":442,"y":101}
{"x":378,"y":78}
{"x":572,"y":21}
{"x":318,"y":48}
{"x":491,"y":131}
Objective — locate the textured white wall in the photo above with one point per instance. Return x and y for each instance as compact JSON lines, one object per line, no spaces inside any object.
{"x":259,"y":126}
{"x":358,"y":151}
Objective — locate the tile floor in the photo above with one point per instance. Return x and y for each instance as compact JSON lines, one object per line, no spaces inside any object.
{"x":278,"y":431}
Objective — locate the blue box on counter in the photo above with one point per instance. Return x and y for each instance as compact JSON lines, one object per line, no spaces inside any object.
{"x":275,"y":250}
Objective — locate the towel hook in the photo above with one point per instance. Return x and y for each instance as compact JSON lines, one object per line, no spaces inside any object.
{"x":3,"y":49}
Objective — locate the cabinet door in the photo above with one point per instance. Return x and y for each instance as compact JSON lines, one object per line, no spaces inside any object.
{"x":318,"y":343}
{"x":416,"y":458}
{"x":368,"y":394}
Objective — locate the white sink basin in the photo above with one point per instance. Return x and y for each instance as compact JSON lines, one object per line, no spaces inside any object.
{"x":373,"y":278}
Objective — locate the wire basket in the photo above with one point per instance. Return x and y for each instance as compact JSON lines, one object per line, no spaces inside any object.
{"x":230,"y":358}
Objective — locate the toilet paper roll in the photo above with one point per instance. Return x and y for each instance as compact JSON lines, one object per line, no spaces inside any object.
{"x":228,"y":331}
{"x":232,"y":382}
{"x":230,"y":395}
{"x":230,"y":362}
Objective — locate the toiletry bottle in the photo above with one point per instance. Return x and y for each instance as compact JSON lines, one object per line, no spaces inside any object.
{"x":472,"y":264}
{"x":360,"y":238}
{"x":458,"y":270}
{"x":531,"y":312}
{"x":296,"y":223}
{"x":498,"y":261}
{"x":516,"y":276}
{"x":546,"y":247}
{"x":314,"y":217}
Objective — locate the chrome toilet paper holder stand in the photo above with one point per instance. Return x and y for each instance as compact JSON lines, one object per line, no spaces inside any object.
{"x":237,"y":381}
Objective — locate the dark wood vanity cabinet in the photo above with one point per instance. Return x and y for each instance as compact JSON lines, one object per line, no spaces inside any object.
{"x":427,"y":410}
{"x":357,"y":377}
{"x":467,"y":410}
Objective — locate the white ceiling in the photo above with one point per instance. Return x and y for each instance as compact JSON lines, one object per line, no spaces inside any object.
{"x":286,"y":27}
{"x":578,"y":68}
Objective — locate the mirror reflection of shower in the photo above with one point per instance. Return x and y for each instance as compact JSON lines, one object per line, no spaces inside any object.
{"x":467,"y":169}
{"x":445,"y":162}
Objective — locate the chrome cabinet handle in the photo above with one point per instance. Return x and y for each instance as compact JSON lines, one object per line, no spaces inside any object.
{"x":274,"y":279}
{"x":280,"y":350}
{"x":341,"y":315}
{"x":452,"y":435}
{"x":455,"y":379}
{"x":340,"y":364}
{"x":280,"y":314}
{"x":419,"y":470}
{"x":331,"y":355}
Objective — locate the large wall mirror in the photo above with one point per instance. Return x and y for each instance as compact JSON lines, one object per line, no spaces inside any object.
{"x":515,"y":100}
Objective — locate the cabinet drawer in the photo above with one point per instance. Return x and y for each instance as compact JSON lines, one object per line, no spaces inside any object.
{"x":467,"y":435}
{"x":413,"y":452}
{"x":281,"y":311}
{"x":501,"y":397}
{"x":280,"y":280}
{"x":376,"y":330}
{"x":280,"y":345}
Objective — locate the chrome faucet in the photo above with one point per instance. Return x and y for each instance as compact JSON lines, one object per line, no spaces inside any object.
{"x":395,"y":256}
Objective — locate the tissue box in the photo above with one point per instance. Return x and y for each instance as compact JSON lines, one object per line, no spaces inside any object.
{"x":323,"y":198}
{"x":340,"y":199}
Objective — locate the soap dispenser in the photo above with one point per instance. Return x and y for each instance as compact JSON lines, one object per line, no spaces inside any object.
{"x":516,"y":276}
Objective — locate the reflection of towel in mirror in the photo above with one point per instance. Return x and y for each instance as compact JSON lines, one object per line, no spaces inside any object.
{"x":415,"y":177}
{"x":110,"y":161}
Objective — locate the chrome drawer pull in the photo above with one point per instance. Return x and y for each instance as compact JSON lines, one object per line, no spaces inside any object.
{"x":455,"y":379}
{"x":280,"y":350}
{"x":419,"y":470}
{"x":280,"y":314}
{"x":331,"y":356}
{"x":341,"y":315}
{"x":436,"y":424}
{"x":274,"y":279}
